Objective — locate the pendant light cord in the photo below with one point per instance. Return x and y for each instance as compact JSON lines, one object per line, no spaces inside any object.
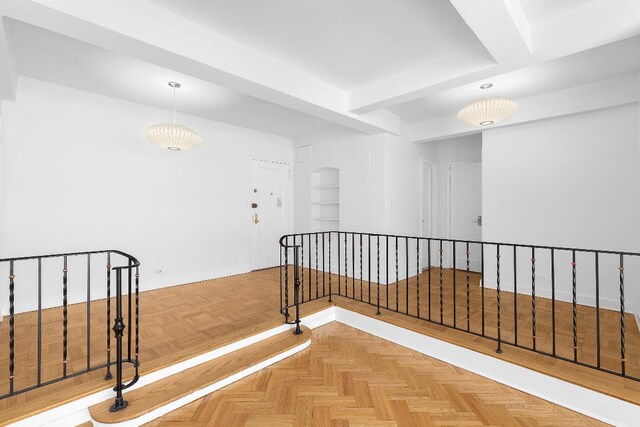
{"x":174,"y":105}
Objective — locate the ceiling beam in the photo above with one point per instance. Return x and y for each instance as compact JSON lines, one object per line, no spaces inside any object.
{"x":609,"y":93}
{"x":148,"y":32}
{"x":500,"y":26}
{"x":8,"y":75}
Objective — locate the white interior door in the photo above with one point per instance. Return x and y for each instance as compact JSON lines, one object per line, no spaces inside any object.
{"x":465,"y":210}
{"x":270,"y":211}
{"x":429,"y":207}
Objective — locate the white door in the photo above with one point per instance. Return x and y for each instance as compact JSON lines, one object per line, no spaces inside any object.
{"x":465,"y":211}
{"x":270,"y":205}
{"x":429,"y":208}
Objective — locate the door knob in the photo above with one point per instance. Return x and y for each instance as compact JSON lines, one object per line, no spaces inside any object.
{"x":255,"y":218}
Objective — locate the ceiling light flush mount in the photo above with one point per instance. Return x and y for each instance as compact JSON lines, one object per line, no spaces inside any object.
{"x":487,"y":111}
{"x":172,"y":136}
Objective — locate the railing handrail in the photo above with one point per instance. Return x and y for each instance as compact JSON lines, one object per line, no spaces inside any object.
{"x":476,"y":242}
{"x":136,"y":263}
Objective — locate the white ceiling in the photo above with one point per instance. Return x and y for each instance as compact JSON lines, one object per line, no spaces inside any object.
{"x":58,"y":59}
{"x":539,"y":10}
{"x":346,"y":43}
{"x":601,"y":63}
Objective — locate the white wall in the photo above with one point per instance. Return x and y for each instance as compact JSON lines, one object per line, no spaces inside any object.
{"x":571,"y":181}
{"x":77,"y":174}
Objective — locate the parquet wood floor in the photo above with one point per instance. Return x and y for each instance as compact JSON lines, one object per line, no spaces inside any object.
{"x":184,"y":321}
{"x":395,"y":297}
{"x":350,"y":378}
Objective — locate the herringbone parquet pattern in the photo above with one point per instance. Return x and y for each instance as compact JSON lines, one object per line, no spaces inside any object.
{"x":350,"y":378}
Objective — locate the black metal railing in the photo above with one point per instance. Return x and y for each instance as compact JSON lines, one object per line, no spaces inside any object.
{"x":566,"y":303}
{"x":34,"y":281}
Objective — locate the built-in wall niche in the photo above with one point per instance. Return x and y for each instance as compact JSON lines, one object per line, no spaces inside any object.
{"x":325,"y":199}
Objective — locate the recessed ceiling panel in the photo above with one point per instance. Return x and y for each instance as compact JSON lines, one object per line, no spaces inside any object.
{"x":347,"y":43}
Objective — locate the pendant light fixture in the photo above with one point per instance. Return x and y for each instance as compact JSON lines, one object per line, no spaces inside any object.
{"x":487,"y":111}
{"x":172,"y":136}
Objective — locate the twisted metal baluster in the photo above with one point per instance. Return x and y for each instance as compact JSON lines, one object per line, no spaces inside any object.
{"x":397,"y":277}
{"x":137,"y":324}
{"x":361,"y":267}
{"x":346,"y":276}
{"x":11,"y":326}
{"x":499,"y":350}
{"x":574,"y":294}
{"x":316,"y":235}
{"x":468,"y":291}
{"x":417,"y":277}
{"x":441,"y":289}
{"x":301,"y":273}
{"x":108,"y":375}
{"x":533,"y":296}
{"x":65,"y":321}
{"x":286,"y":279}
{"x":623,"y":359}
{"x":330,"y":293}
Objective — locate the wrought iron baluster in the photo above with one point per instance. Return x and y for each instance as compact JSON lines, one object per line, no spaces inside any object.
{"x":406,"y":272}
{"x":302,"y":267}
{"x":386,"y":259}
{"x":324,"y":271}
{"x":137,"y":355}
{"x":118,"y":329}
{"x":623,"y":359}
{"x":11,"y":326}
{"x":468,"y":289}
{"x":454,"y":283}
{"x":346,"y":275}
{"x":553,"y":303}
{"x":429,"y":277}
{"x":316,"y":238}
{"x":286,"y":279}
{"x":369,"y":265}
{"x":499,"y":350}
{"x":88,"y":311}
{"x":597,"y":267}
{"x":441,"y":288}
{"x":330,"y":273}
{"x":39,"y":380}
{"x":353,"y":265}
{"x":64,"y":318}
{"x":108,"y":375}
{"x":309,"y":267}
{"x":378,"y":266}
{"x":515,"y":295}
{"x":361,"y":267}
{"x":417,"y":277}
{"x":533,"y":296}
{"x":338,"y":262}
{"x":574,"y":295}
{"x":397,"y":278}
{"x":129,"y":295}
{"x":482,"y":285}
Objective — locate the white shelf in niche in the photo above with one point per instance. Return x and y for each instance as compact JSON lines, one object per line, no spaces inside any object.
{"x":325,"y":199}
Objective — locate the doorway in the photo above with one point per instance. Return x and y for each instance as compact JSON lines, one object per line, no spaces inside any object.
{"x":270,"y":196}
{"x":429,"y":206}
{"x":465,"y":210}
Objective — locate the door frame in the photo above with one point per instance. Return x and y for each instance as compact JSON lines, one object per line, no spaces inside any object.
{"x":288,"y":224}
{"x":432,"y":226}
{"x":450,"y":164}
